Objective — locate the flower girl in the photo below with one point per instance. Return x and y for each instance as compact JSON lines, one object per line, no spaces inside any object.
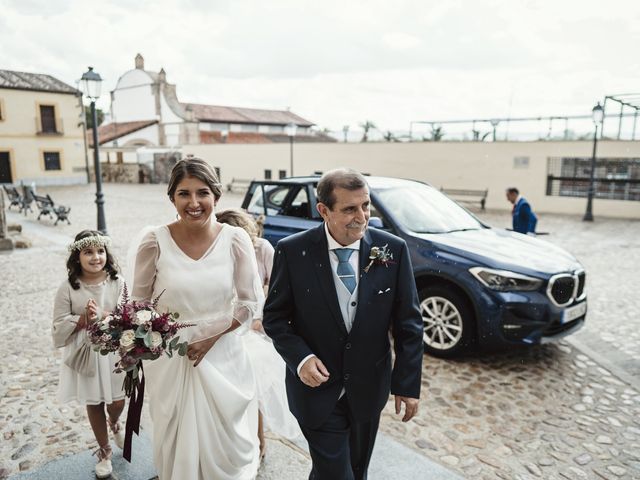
{"x":91,"y":290}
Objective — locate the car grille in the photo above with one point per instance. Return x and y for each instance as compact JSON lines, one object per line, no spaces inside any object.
{"x":582,"y":277}
{"x":564,"y":288}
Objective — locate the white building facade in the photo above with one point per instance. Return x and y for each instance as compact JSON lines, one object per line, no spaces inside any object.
{"x":142,"y":96}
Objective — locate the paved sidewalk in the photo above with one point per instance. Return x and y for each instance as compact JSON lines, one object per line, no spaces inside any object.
{"x":284,"y":461}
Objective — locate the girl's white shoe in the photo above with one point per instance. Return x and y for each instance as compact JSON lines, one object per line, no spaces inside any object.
{"x":103,"y":467}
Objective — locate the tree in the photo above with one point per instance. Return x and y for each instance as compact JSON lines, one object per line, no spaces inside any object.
{"x":89,"y":120}
{"x":477,"y":137}
{"x":390,"y":137}
{"x":366,"y":126}
{"x":436,"y":133}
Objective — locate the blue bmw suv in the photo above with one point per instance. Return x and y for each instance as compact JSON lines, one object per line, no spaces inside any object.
{"x":478,"y":285}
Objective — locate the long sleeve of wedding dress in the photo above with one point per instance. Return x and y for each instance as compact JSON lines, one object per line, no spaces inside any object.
{"x":249,"y":294}
{"x":144,"y":268}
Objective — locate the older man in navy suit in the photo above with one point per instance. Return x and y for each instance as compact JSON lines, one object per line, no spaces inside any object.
{"x":336,"y":292}
{"x":523,"y":218}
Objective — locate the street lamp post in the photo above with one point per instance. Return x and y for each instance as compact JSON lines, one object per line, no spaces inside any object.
{"x":494,"y":124}
{"x":291,"y":132}
{"x":345,"y":132}
{"x":91,"y":82}
{"x":598,"y":116}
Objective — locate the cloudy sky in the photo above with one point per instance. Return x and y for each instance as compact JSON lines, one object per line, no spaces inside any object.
{"x":340,"y":62}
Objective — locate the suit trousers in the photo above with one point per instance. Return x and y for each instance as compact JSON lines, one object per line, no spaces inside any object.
{"x":341,"y":448}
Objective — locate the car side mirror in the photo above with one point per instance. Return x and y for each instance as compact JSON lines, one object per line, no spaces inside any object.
{"x":376,"y":222}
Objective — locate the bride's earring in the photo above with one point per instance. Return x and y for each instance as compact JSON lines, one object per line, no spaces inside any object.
{"x":177,"y":217}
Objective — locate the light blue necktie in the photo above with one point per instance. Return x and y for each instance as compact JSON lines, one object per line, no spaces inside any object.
{"x":345,"y":270}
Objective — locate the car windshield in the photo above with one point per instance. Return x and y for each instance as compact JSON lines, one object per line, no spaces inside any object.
{"x":423,"y":209}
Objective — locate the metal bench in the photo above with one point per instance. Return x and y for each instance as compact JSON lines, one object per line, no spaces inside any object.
{"x":467,"y":196}
{"x":47,"y":206}
{"x":62,"y":213}
{"x":242,"y":184}
{"x":14,"y":197}
{"x":28,"y":197}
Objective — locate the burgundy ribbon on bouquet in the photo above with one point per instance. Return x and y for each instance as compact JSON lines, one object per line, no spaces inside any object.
{"x":133,"y":415}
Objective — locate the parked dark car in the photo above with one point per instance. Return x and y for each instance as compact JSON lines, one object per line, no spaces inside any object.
{"x":477,"y":285}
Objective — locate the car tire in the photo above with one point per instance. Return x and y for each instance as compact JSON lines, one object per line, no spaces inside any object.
{"x":448,"y":322}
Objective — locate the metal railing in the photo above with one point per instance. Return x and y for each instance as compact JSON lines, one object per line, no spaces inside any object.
{"x":615,"y":178}
{"x":554,"y":127}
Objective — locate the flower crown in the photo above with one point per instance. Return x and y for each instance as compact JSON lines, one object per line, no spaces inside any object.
{"x":92,"y":241}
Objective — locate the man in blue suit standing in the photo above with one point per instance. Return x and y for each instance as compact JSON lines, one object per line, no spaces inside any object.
{"x":524,"y":220}
{"x":336,"y":293}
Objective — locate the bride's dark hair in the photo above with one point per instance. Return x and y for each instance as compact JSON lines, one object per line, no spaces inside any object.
{"x":197,"y":168}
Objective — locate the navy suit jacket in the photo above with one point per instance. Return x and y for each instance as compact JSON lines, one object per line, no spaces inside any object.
{"x":524,"y":220}
{"x":302,"y":316}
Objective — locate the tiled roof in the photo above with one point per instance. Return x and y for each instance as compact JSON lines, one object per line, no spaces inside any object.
{"x":233,"y":137}
{"x":34,"y":81}
{"x":111,"y":131}
{"x":252,"y":137}
{"x":216,"y":113}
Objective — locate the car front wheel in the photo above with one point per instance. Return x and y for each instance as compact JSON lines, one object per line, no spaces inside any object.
{"x":447,"y":322}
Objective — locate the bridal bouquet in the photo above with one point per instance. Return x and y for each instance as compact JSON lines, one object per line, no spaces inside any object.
{"x":136,"y":331}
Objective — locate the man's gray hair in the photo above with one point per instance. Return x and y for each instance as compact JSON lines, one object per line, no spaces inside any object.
{"x":346,"y":178}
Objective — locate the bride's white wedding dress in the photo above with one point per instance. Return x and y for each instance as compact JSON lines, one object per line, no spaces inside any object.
{"x":205,"y":417}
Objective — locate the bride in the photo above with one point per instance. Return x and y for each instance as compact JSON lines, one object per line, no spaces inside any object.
{"x":203,"y":406}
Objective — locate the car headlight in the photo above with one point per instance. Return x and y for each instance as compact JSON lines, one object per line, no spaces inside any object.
{"x":505,"y":281}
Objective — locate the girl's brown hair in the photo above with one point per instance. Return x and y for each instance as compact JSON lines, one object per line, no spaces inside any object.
{"x":239,"y":218}
{"x":74,"y":269}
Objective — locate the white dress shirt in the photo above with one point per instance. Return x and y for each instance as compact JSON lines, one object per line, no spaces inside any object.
{"x":346,"y":299}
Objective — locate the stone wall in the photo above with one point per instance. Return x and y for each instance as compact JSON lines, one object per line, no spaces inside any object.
{"x":117,"y":172}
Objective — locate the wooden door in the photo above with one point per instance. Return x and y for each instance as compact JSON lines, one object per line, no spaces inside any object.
{"x":5,"y":168}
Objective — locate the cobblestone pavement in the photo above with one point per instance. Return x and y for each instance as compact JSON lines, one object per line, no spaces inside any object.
{"x":549,"y":412}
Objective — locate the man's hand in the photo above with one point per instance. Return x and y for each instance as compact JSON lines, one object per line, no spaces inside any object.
{"x":410,"y":408}
{"x":313,"y":372}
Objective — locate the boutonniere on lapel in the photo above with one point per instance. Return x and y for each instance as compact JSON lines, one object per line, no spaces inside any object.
{"x":379,"y":256}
